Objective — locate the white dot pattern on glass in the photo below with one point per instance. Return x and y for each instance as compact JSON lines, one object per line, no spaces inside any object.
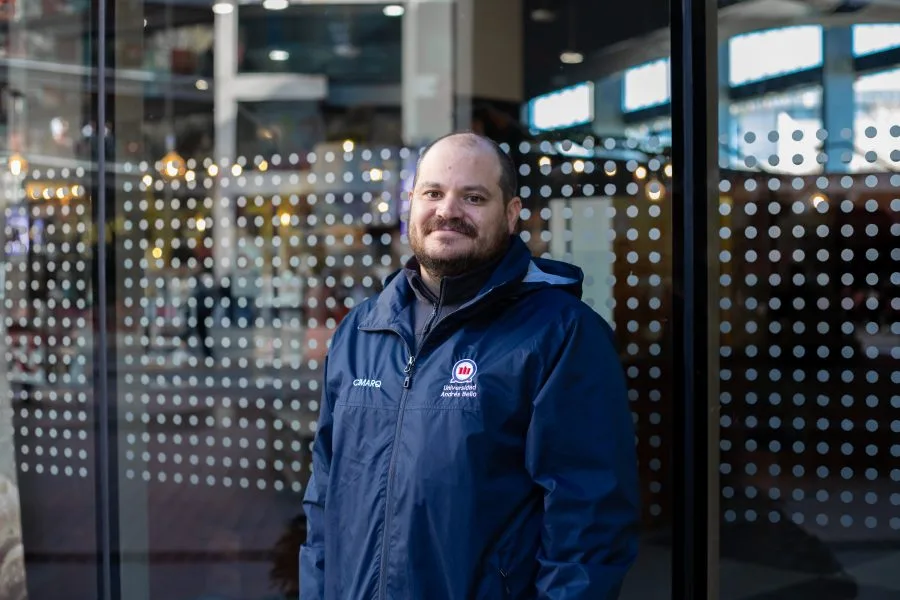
{"x":265,"y":273}
{"x":293,"y":257}
{"x":232,"y":309}
{"x":47,"y":324}
{"x":809,"y":318}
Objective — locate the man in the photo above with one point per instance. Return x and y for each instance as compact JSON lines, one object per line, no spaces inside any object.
{"x":475,"y":439}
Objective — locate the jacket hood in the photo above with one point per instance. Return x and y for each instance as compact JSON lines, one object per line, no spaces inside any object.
{"x":543,"y":272}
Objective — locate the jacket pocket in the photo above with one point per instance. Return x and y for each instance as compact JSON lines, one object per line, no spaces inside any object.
{"x":493,"y":585}
{"x":509,"y":567}
{"x":504,"y":580}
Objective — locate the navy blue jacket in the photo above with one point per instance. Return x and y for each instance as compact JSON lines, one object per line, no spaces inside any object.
{"x":496,"y":461}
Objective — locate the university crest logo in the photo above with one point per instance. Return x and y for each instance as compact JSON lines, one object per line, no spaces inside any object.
{"x":462,"y":380}
{"x":463,"y":371}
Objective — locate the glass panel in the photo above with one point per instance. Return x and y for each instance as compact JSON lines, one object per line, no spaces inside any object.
{"x":264,"y":155}
{"x":810,"y":324}
{"x":49,"y":302}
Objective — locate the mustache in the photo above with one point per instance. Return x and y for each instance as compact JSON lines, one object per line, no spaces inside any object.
{"x":457,"y":225}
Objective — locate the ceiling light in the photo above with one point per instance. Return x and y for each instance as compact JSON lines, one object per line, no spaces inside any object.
{"x":275,"y":4}
{"x":393,"y":10}
{"x":346,"y":51}
{"x":279,"y":55}
{"x":223,"y":8}
{"x":571,"y":57}
{"x":17,"y":165}
{"x":543,"y":15}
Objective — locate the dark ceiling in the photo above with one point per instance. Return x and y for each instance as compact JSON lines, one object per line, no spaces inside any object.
{"x":355,"y":43}
{"x":592,"y":24}
{"x":311,"y":33}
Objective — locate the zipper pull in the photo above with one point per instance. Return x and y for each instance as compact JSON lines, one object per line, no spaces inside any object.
{"x":408,"y":370}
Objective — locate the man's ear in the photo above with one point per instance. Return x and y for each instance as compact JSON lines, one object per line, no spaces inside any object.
{"x":513,"y":212}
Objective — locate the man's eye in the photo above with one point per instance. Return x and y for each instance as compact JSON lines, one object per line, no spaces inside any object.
{"x":475,"y":199}
{"x":432,"y":194}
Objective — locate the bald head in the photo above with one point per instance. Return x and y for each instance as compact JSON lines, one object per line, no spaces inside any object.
{"x":508,"y":180}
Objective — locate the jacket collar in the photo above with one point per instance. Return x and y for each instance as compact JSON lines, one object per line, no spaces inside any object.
{"x":454,"y":290}
{"x":398,"y":295}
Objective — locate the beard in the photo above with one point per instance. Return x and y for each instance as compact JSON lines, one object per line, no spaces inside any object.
{"x":487,"y":247}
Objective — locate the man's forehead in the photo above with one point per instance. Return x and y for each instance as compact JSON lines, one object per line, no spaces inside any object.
{"x":452,"y":157}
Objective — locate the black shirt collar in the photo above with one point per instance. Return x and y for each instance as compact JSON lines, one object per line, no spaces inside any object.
{"x":455,"y":290}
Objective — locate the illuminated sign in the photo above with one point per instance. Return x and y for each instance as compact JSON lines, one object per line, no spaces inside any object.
{"x":563,"y":108}
{"x":774,"y":52}
{"x":869,"y":39}
{"x":646,"y":86}
{"x":882,"y":82}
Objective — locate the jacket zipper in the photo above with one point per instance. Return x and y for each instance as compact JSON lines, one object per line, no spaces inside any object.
{"x":430,"y":323}
{"x":392,"y":464}
{"x":387,"y":493}
{"x":408,"y":371}
{"x":504,"y":575}
{"x":435,"y":315}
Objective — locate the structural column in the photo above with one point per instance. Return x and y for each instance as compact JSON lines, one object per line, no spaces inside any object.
{"x":839,"y":103}
{"x":454,"y":53}
{"x":727,"y":150}
{"x":427,"y":88}
{"x":608,"y":119}
{"x":225,"y":58}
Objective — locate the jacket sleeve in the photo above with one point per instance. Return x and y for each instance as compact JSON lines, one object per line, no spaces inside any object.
{"x":580,"y":450}
{"x":312,"y":552}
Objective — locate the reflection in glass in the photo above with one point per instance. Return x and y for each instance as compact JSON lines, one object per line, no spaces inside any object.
{"x":48,"y":302}
{"x":258,"y":162}
{"x":809,"y":325}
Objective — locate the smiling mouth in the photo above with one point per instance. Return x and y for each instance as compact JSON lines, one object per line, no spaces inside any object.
{"x":451,"y":232}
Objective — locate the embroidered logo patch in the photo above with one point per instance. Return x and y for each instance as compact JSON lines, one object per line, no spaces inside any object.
{"x":462,"y":380}
{"x":463,"y":371}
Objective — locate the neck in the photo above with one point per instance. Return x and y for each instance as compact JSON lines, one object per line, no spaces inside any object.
{"x":456,"y":290}
{"x":432,"y":282}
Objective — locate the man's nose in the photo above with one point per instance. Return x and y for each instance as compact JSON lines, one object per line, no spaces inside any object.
{"x":448,"y":207}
